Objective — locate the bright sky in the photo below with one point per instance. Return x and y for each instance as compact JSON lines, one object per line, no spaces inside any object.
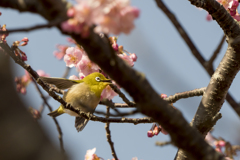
{"x":162,"y":56}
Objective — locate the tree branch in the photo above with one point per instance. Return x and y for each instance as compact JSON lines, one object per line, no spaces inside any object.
{"x":221,"y":80}
{"x":34,"y":75}
{"x":194,"y":50}
{"x":163,"y":143}
{"x":54,"y":119}
{"x":108,"y":134}
{"x":149,"y":102}
{"x":27,"y":29}
{"x":187,"y":94}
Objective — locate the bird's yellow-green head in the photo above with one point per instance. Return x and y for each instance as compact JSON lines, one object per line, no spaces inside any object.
{"x":97,"y":82}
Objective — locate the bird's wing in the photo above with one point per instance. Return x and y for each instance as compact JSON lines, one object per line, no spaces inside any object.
{"x":60,"y":83}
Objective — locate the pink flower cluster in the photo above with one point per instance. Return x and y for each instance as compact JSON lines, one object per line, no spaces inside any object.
{"x":230,"y":6}
{"x":221,"y":145}
{"x":77,"y":57}
{"x":4,"y":35}
{"x":129,"y":59}
{"x":90,"y":155}
{"x":19,"y":52}
{"x":59,"y":54}
{"x":109,"y":17}
{"x":155,"y":130}
{"x":23,"y":81}
{"x":35,"y":113}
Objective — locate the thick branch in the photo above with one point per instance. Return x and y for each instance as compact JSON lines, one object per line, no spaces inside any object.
{"x":216,"y":91}
{"x":52,"y":10}
{"x":144,"y":95}
{"x":229,"y":26}
{"x":194,"y":50}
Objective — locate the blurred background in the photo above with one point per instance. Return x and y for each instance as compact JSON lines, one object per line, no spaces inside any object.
{"x":162,"y":55}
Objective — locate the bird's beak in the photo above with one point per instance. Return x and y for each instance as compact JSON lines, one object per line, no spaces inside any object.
{"x":107,"y":80}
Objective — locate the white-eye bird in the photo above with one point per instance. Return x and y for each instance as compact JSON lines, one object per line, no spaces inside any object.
{"x":83,"y":94}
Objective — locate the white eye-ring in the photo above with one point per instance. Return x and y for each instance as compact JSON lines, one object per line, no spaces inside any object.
{"x":98,"y":79}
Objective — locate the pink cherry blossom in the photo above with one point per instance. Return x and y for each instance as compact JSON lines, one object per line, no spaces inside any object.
{"x":23,"y":81}
{"x":4,"y":35}
{"x":86,"y":67}
{"x":230,"y":6}
{"x":73,"y":56}
{"x":225,"y":3}
{"x":81,"y":75}
{"x":233,"y":4}
{"x":209,"y":17}
{"x":127,"y":59}
{"x":133,"y":56}
{"x":108,"y":93}
{"x":71,"y":12}
{"x":163,"y":96}
{"x":150,"y":134}
{"x":24,"y":57}
{"x":70,"y":40}
{"x":73,"y":77}
{"x":236,"y":16}
{"x":210,"y":139}
{"x":156,"y":130}
{"x":61,"y":51}
{"x":42,"y":73}
{"x":72,"y":25}
{"x":90,"y":155}
{"x":35,"y":113}
{"x":118,"y":17}
{"x":109,"y":17}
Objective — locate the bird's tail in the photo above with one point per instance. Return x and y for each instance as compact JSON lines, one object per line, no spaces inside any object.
{"x":80,"y":123}
{"x":57,"y":112}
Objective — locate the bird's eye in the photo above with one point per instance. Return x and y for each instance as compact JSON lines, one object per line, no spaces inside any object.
{"x":98,"y":79}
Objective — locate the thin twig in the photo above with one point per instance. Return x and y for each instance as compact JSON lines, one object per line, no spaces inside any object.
{"x":41,"y":108}
{"x":54,"y":119}
{"x":194,"y":50}
{"x":209,"y":63}
{"x":112,"y":120}
{"x":108,"y":134}
{"x":187,"y":94}
{"x":163,"y":143}
{"x":170,"y":99}
{"x":119,"y":114}
{"x":118,"y":105}
{"x":65,"y":74}
{"x":25,"y":29}
{"x":110,"y":104}
{"x":216,"y":117}
{"x":124,"y":98}
{"x":55,"y":89}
